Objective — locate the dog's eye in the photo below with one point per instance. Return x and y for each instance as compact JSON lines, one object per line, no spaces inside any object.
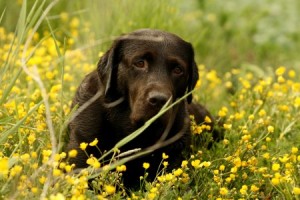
{"x":177,"y":70}
{"x":140,"y":64}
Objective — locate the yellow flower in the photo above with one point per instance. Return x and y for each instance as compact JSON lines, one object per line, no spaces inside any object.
{"x":63,"y":155}
{"x":151,"y":195}
{"x":64,"y":16}
{"x":92,"y":161}
{"x":275,"y":181}
{"x":275,"y":167}
{"x":207,"y":119}
{"x":165,"y":156}
{"x":227,"y":126}
{"x":280,"y":71}
{"x":266,"y":155}
{"x":178,"y":172}
{"x":42,"y":179}
{"x":57,"y":172}
{"x":206,"y":164}
{"x":270,"y":129}
{"x":94,"y":143}
{"x":4,"y":166}
{"x":68,"y":168}
{"x":262,"y":113}
{"x":268,"y":139}
{"x":292,"y":74}
{"x":74,"y":23}
{"x":244,"y":189}
{"x":223,"y":191}
{"x":237,"y":162}
{"x":294,"y":150}
{"x":146,"y":165}
{"x":72,"y":153}
{"x":223,"y":112}
{"x":58,"y":196}
{"x":233,"y":169}
{"x":109,"y":189}
{"x":297,"y":102}
{"x":184,"y":163}
{"x":16,"y":170}
{"x":254,"y":188}
{"x":83,"y":146}
{"x":165,"y":163}
{"x":284,"y":159}
{"x":222,"y":167}
{"x":280,"y":79}
{"x":34,"y":190}
{"x":121,"y":168}
{"x":296,"y":190}
{"x":225,"y":142}
{"x":31,"y":138}
{"x":196,"y":164}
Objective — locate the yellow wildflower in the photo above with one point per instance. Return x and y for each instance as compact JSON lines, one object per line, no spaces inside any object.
{"x":244,"y":189}
{"x":296,"y":190}
{"x":227,"y":126}
{"x":72,"y":153}
{"x":57,"y":172}
{"x":94,"y":143}
{"x":165,"y":156}
{"x":184,"y":163}
{"x":280,"y":71}
{"x":254,"y":188}
{"x":270,"y":129}
{"x":206,"y":164}
{"x":58,"y":196}
{"x":196,"y":164}
{"x":275,"y":167}
{"x":178,"y":172}
{"x":110,"y":189}
{"x":146,"y":165}
{"x":222,"y":167}
{"x":83,"y":146}
{"x":121,"y":168}
{"x":92,"y":161}
{"x":223,"y":191}
{"x":275,"y":181}
{"x":165,"y":163}
{"x":4,"y":166}
{"x":294,"y":150}
{"x":207,"y":119}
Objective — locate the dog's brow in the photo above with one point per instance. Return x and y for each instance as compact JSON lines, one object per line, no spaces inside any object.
{"x":175,"y":59}
{"x":143,"y":37}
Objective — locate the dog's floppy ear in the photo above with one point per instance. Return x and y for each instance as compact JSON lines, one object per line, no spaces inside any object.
{"x":108,"y":70}
{"x":193,"y":78}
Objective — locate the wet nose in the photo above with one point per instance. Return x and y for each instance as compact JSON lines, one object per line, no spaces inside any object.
{"x":157,"y":99}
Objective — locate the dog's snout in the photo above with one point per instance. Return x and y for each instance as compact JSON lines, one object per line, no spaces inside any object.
{"x":157,"y":99}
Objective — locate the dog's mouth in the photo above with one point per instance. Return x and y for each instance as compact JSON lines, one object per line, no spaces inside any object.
{"x":141,"y":114}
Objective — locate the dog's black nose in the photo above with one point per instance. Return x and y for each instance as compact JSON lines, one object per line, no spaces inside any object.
{"x":157,"y":99}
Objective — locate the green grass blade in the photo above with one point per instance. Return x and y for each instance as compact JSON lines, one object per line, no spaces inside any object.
{"x":5,"y":134}
{"x":2,"y":15}
{"x":10,"y":86}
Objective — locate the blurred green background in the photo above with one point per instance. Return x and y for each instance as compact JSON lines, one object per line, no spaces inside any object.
{"x":225,"y":34}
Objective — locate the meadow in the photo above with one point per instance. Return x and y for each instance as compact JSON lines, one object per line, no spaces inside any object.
{"x":249,"y":67}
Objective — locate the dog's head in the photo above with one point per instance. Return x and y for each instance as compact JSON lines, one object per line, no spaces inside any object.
{"x":148,"y":67}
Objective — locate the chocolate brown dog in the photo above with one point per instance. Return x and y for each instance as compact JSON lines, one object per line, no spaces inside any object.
{"x":134,"y":79}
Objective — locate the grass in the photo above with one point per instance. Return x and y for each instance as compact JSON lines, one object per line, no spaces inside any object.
{"x":249,"y":79}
